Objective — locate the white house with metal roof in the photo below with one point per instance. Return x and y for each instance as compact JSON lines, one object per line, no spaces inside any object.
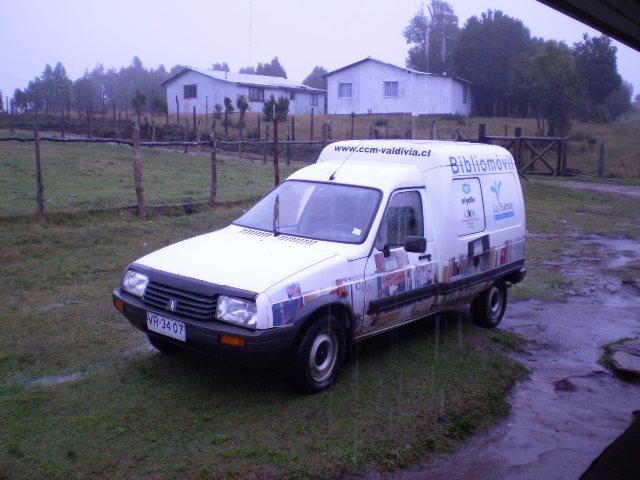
{"x":206,"y":88}
{"x":373,"y":86}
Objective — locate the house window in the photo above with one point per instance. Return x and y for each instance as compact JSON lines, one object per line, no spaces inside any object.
{"x":390,"y":89}
{"x":292,"y":95}
{"x":344,"y":90}
{"x":314,"y":100}
{"x":191,"y":91}
{"x":256,"y":94}
{"x":464,"y":93}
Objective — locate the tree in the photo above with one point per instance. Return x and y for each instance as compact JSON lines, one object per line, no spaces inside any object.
{"x":596,"y":64}
{"x":554,"y":87}
{"x":485,"y":51}
{"x":19,"y":100}
{"x":316,"y":78}
{"x":138,"y":102}
{"x":619,"y":101}
{"x":270,"y":69}
{"x":432,"y":36}
{"x":228,"y":105}
{"x":280,"y":107}
{"x":220,"y":67}
{"x":243,"y":105}
{"x":1,"y":102}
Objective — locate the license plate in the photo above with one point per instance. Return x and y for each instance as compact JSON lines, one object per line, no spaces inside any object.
{"x":166,"y":326}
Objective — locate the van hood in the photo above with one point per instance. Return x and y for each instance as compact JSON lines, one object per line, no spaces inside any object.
{"x":240,"y":257}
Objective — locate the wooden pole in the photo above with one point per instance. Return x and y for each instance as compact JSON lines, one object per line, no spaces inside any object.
{"x":39,"y":184}
{"x":206,"y":113}
{"x":518,"y":150}
{"x":293,"y":129}
{"x":276,"y":165}
{"x":195,"y":125}
{"x":137,"y":171}
{"x":482,"y":133}
{"x":226,"y":123}
{"x":601,"y":161}
{"x":353,"y":117}
{"x":214,"y":167}
{"x":177,"y":111}
{"x":118,"y":128}
{"x":259,"y":129}
{"x":311,"y":135}
{"x":88,"y":124}
{"x":288,"y":155}
{"x":113,"y":108}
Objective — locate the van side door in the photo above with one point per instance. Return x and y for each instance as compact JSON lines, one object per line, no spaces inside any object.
{"x":399,"y":285}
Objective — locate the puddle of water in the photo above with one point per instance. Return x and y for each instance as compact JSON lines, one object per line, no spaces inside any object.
{"x":53,"y":380}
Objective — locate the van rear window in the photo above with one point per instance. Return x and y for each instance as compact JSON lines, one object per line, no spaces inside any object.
{"x":468,"y":206}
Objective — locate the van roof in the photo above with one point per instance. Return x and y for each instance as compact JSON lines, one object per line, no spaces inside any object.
{"x":425,"y":154}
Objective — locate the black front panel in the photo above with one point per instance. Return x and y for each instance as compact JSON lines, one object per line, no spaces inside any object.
{"x":183,"y":302}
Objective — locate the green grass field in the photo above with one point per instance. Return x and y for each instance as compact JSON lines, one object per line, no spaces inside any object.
{"x":94,"y":176}
{"x":82,"y":395}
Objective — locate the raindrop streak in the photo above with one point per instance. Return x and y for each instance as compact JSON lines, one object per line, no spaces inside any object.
{"x":459,"y":331}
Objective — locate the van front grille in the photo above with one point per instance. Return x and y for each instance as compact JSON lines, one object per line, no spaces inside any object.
{"x":188,"y":304}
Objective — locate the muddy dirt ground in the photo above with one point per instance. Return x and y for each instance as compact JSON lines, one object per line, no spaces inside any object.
{"x":571,"y":407}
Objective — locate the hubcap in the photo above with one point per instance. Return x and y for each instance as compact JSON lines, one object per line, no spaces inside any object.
{"x":322,"y":356}
{"x":495,"y":301}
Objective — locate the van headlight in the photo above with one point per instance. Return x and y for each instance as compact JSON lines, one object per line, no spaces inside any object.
{"x":134,"y":283}
{"x":237,"y":310}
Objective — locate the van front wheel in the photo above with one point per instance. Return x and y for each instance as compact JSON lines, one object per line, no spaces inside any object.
{"x":488,"y":309}
{"x":316,"y":360}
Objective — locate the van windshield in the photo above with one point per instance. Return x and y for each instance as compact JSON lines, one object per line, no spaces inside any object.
{"x":322,"y":211}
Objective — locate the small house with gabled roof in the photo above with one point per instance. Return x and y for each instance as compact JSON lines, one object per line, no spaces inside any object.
{"x":205,"y":88}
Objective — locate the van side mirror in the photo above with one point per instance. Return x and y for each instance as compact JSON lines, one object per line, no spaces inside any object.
{"x":415,"y":244}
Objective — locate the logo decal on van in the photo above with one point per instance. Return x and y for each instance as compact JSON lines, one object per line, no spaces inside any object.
{"x":496,"y":189}
{"x":466,"y":188}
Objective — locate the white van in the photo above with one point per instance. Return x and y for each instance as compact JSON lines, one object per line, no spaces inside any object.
{"x":376,"y":234}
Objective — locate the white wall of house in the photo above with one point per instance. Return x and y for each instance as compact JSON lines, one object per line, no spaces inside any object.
{"x":212,"y":91}
{"x":416,"y":93}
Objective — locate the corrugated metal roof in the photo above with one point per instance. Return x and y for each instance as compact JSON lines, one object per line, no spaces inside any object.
{"x":248,"y":79}
{"x":410,"y":70}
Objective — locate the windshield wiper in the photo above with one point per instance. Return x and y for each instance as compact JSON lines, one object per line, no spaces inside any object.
{"x":276,"y":216}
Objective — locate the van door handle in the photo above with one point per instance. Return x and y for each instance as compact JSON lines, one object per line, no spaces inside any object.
{"x":427,"y":256}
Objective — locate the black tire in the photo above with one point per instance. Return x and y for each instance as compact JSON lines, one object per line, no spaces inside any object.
{"x":488,"y":309}
{"x":164,"y":346}
{"x":316,"y":359}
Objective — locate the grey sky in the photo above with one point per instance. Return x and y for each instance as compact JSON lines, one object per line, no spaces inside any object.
{"x":302,"y":33}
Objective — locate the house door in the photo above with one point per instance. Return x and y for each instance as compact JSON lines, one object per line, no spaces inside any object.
{"x":399,"y":285}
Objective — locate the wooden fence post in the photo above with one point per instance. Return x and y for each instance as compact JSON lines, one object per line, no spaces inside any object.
{"x":293,"y":129}
{"x":311,"y":135}
{"x":206,"y":113}
{"x":565,"y":154}
{"x":113,"y":108}
{"x":214,"y":167}
{"x":39,"y":185}
{"x":137,"y":170}
{"x":118,"y":130}
{"x":259,"y":130}
{"x":226,"y":123}
{"x":177,"y":111}
{"x":276,"y":165}
{"x":371,"y":131}
{"x":353,"y":118}
{"x":288,"y":138}
{"x":482,"y":133}
{"x":517,"y":148}
{"x":195,"y":123}
{"x":434,"y":130}
{"x":88,"y":124}
{"x":186,"y":135}
{"x":601,"y":161}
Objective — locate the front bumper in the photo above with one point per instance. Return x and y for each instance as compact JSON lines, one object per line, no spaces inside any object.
{"x":261,"y":348}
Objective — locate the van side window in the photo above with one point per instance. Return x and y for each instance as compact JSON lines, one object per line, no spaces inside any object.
{"x":402,"y":218}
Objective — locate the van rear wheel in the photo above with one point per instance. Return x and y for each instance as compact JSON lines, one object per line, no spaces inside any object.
{"x":316,"y":360}
{"x":488,"y":309}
